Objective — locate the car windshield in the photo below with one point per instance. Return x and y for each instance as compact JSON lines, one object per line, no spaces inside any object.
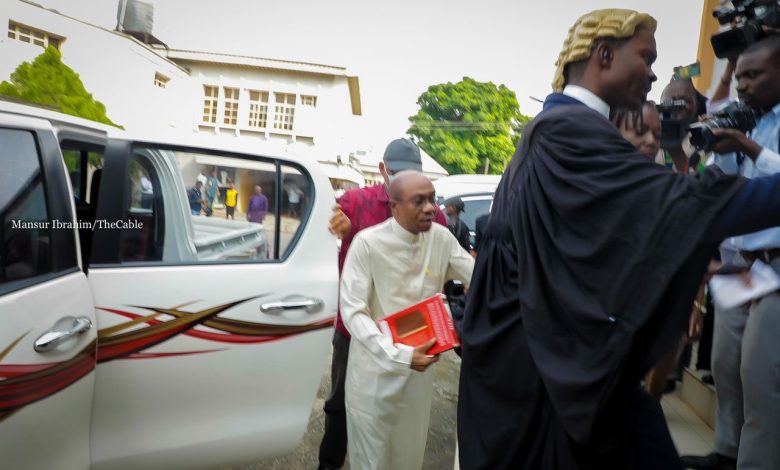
{"x":474,"y":209}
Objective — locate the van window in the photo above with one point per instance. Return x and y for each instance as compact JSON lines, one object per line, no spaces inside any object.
{"x":26,"y":228}
{"x":84,"y":162}
{"x":296,"y":202}
{"x":143,"y":236}
{"x":187,"y":207}
{"x":473,"y":209}
{"x":81,"y":164}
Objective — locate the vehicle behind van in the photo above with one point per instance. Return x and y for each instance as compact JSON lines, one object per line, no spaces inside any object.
{"x":462,"y":185}
{"x":476,"y":192}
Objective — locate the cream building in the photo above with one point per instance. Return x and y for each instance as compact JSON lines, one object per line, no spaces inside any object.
{"x":146,"y":84}
{"x":299,"y":107}
{"x":135,"y":82}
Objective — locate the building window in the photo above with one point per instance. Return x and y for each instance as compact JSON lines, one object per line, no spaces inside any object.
{"x":258,"y":109}
{"x":160,"y":80}
{"x":284,"y":112}
{"x":309,"y":101}
{"x":33,"y":36}
{"x":231,"y":106}
{"x":211,"y":97}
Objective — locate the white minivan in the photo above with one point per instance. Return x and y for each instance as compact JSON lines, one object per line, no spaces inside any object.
{"x":135,"y":332}
{"x":476,"y":192}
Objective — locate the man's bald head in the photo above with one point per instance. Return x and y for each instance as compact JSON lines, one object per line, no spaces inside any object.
{"x":412,"y":201}
{"x":405,"y":181}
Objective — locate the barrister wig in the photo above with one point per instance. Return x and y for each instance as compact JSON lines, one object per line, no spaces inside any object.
{"x":611,"y":23}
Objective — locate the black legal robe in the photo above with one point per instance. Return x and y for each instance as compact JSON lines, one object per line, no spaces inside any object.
{"x":585,"y":276}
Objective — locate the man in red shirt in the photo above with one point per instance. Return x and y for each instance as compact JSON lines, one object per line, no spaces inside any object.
{"x":358,"y":209}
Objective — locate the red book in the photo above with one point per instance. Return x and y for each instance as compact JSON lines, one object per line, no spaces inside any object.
{"x":418,"y":323}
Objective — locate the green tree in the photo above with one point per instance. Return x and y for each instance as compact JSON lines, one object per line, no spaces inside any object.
{"x":465,"y":125}
{"x":48,"y":81}
{"x":518,"y":127}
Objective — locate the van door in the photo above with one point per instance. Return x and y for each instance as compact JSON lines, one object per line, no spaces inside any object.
{"x":215,"y":301}
{"x":47,"y":334}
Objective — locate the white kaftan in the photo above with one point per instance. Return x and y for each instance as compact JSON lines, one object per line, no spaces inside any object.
{"x":388,"y":404}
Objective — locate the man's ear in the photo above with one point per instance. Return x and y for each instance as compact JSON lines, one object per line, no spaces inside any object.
{"x":605,"y":53}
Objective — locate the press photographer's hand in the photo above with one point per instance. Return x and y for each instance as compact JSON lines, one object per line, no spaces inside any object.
{"x":733,"y":140}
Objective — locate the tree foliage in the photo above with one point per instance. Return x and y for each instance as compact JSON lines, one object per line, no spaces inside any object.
{"x":466,"y":124}
{"x":48,"y":81}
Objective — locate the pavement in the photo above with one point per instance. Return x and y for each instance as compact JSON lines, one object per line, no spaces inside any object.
{"x":690,"y":434}
{"x":440,"y":449}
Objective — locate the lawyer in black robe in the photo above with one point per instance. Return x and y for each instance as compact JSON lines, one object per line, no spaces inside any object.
{"x":585,"y":276}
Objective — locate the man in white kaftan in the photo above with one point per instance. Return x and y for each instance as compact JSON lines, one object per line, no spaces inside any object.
{"x":389,"y":267}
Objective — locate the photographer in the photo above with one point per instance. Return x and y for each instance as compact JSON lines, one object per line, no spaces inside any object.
{"x":747,"y":384}
{"x":681,"y":156}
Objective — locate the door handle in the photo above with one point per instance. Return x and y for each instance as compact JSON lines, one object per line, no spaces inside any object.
{"x":310,"y":305}
{"x":65,"y":328}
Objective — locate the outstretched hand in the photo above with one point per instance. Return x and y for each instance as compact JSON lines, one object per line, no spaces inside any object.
{"x":340,"y":224}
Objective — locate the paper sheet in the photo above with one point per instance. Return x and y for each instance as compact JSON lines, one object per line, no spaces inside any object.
{"x":729,"y":290}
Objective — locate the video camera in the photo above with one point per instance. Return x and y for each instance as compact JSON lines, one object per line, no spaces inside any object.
{"x":673,"y":131}
{"x":750,"y":16}
{"x":737,"y":115}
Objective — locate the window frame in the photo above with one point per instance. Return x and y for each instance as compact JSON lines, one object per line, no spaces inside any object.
{"x":107,"y":243}
{"x":34,"y":35}
{"x":158,"y":208}
{"x":160,"y":80}
{"x":284,"y":109}
{"x":255,"y":106}
{"x":212,"y":104}
{"x":231,"y":106}
{"x":63,"y":251}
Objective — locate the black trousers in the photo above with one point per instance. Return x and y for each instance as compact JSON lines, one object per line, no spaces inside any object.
{"x":333,"y":448}
{"x":654,"y":448}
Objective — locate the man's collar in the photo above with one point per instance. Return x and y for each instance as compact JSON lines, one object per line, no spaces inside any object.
{"x":557,"y":99}
{"x":588,"y":98}
{"x":402,"y":233}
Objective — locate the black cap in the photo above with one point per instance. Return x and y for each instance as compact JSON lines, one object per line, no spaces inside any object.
{"x":457,"y":203}
{"x":402,"y":154}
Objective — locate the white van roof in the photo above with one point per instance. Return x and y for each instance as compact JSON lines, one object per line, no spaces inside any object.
{"x":461,"y":185}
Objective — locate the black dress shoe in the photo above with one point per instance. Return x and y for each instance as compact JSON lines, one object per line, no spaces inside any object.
{"x":713,"y":461}
{"x":708,"y":379}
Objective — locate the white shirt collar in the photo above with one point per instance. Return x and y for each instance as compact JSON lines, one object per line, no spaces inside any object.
{"x":402,"y":233}
{"x":588,"y":98}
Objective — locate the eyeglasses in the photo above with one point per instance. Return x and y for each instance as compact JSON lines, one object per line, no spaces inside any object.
{"x":418,"y":201}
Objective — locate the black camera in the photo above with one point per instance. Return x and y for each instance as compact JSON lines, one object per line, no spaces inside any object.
{"x":672,"y":130}
{"x":734,"y":116}
{"x":750,"y":16}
